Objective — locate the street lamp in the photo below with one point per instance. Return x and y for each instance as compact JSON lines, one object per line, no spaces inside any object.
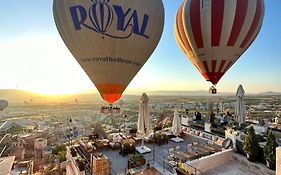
{"x":125,"y":115}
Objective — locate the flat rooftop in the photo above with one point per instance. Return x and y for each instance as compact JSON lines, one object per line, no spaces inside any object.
{"x":6,"y":164}
{"x":231,"y":168}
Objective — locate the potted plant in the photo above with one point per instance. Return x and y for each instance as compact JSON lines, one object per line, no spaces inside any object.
{"x":128,"y":147}
{"x":133,"y":132}
{"x":161,"y":138}
{"x":270,"y":151}
{"x":136,"y":160}
{"x":182,"y":169}
{"x":251,"y":145}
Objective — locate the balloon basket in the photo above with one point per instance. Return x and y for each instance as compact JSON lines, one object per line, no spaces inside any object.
{"x":109,"y":109}
{"x":213,"y":90}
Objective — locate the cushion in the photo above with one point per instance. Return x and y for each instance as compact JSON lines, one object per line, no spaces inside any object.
{"x":219,"y":141}
{"x":119,"y":139}
{"x":195,"y":143}
{"x":207,"y":136}
{"x":211,"y":142}
{"x":115,"y":138}
{"x":214,"y":138}
{"x":110,"y":137}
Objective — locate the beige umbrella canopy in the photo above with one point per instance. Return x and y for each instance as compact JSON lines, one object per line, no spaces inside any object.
{"x":144,"y":118}
{"x":176,"y":127}
{"x":240,"y":110}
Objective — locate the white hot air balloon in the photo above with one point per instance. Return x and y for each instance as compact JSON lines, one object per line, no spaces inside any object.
{"x":3,"y":104}
{"x":110,"y":39}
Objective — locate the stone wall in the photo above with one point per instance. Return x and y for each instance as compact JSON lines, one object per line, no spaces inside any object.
{"x":210,"y":162}
{"x":278,"y":161}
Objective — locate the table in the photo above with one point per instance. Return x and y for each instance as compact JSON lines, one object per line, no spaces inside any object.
{"x":181,"y":156}
{"x":192,"y":154}
{"x":177,"y":139}
{"x":143,"y":149}
{"x":137,"y":139}
{"x":148,"y":171}
{"x":100,"y":144}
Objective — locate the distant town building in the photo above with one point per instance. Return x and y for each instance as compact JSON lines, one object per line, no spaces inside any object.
{"x":20,"y":150}
{"x":40,"y":144}
{"x":71,"y":165}
{"x":6,"y":165}
{"x":94,"y":162}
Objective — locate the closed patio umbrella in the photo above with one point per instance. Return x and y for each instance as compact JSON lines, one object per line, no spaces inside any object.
{"x":240,"y":110}
{"x":143,"y":119}
{"x":176,"y":127}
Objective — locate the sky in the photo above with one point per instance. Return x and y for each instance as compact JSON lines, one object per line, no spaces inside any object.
{"x":33,"y":56}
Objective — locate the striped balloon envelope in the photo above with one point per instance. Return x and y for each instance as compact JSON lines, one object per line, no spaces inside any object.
{"x":110,"y":39}
{"x":215,"y":33}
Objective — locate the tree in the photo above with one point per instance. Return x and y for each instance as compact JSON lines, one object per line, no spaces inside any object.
{"x":60,"y":152}
{"x":61,"y":155}
{"x":270,"y":150}
{"x":251,"y":145}
{"x":58,"y":149}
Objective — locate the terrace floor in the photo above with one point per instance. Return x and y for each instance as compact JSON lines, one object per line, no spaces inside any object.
{"x":119,"y":163}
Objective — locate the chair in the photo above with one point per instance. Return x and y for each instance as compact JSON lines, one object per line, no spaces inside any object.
{"x":116,"y":142}
{"x":189,"y":146}
{"x":171,"y":152}
{"x":178,"y":148}
{"x":195,"y":143}
{"x":149,"y":138}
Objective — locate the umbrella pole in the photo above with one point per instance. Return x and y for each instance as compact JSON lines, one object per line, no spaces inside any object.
{"x":142,"y":142}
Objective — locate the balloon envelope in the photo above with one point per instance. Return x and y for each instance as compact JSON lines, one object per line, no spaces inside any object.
{"x":110,"y":39}
{"x":3,"y":104}
{"x":215,"y":33}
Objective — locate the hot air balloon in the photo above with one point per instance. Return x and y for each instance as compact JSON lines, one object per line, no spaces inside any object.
{"x":215,"y":33}
{"x":3,"y":104}
{"x":110,"y":39}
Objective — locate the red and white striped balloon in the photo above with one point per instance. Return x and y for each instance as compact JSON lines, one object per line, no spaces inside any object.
{"x":215,"y":33}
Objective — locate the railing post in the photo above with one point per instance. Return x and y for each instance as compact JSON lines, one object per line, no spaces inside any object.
{"x":163,"y":163}
{"x":153,"y":154}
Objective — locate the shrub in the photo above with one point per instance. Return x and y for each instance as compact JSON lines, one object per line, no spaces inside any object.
{"x":136,"y":157}
{"x":128,"y":143}
{"x":270,"y":149}
{"x":60,"y":152}
{"x":161,"y":138}
{"x":251,"y":145}
{"x":133,"y":130}
{"x":59,"y":148}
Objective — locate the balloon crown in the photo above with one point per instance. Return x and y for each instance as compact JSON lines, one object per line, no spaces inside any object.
{"x":100,"y":1}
